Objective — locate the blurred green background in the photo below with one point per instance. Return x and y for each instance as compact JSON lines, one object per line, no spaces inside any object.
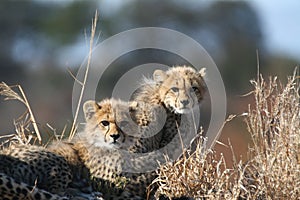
{"x":41,"y":39}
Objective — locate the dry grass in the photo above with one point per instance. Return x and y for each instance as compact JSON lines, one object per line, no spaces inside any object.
{"x":199,"y":174}
{"x":273,"y":168}
{"x":274,"y":125}
{"x":26,"y":129}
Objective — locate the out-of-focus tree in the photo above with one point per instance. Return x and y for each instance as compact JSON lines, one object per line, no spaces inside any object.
{"x":239,"y":31}
{"x":229,"y":31}
{"x":32,"y":30}
{"x":32,"y":33}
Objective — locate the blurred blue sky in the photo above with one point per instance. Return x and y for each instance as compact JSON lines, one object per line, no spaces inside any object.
{"x":281,"y":25}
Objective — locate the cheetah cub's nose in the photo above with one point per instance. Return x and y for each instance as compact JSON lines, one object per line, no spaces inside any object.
{"x":115,"y":136}
{"x":185,"y":102}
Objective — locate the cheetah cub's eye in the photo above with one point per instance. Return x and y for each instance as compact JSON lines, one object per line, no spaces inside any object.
{"x":104,"y":123}
{"x":194,"y":89}
{"x":174,"y":89}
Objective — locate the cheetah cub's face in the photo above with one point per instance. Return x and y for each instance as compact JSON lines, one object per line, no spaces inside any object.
{"x":180,"y":88}
{"x":108,"y":123}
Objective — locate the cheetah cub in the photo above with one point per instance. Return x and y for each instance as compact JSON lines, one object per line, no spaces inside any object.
{"x":104,"y":149}
{"x":177,"y":91}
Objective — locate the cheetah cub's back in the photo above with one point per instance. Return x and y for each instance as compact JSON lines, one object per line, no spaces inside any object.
{"x":35,"y":166}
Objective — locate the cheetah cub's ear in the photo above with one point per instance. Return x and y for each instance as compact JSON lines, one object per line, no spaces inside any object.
{"x":202,"y":72}
{"x":159,"y":76}
{"x":89,"y":108}
{"x":133,"y":105}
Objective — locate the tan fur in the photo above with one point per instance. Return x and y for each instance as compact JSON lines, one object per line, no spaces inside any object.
{"x":177,"y":90}
{"x":33,"y":166}
{"x":108,"y":159}
{"x":112,"y":119}
{"x":181,"y":79}
{"x":28,"y":192}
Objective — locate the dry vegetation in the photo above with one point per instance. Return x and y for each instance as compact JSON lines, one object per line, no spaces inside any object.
{"x":273,"y":167}
{"x":274,"y":125}
{"x":199,"y":174}
{"x":26,"y":129}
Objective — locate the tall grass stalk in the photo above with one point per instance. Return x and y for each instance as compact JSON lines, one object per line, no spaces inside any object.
{"x":83,"y":83}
